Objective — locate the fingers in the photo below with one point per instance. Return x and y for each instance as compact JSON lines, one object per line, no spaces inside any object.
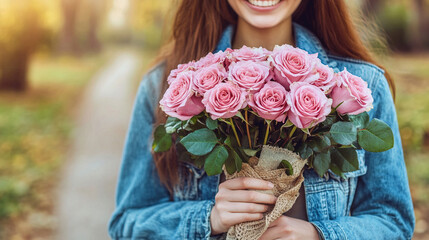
{"x":270,"y":233}
{"x":237,"y":202}
{"x":249,"y":196}
{"x":241,"y":207}
{"x":246,"y":183}
{"x":278,"y":221}
{"x":230,"y":219}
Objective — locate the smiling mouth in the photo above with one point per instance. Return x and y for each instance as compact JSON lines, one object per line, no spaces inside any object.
{"x":263,"y":3}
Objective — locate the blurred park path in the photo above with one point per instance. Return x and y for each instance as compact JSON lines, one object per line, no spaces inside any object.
{"x":87,"y":187}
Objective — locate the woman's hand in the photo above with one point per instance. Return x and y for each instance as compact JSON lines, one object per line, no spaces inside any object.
{"x":237,"y":203}
{"x":290,"y":228}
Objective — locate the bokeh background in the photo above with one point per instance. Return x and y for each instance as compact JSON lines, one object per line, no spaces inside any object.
{"x":69,"y":71}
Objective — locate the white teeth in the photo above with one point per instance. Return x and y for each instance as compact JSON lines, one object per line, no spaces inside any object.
{"x":260,"y":3}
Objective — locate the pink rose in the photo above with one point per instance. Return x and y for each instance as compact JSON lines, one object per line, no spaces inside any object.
{"x":250,"y":54}
{"x":326,"y":80}
{"x":208,"y":77}
{"x":179,"y":100}
{"x":271,"y":102}
{"x":190,"y":66}
{"x":352,"y":93}
{"x":308,"y":105}
{"x":211,"y":59}
{"x":293,"y":65}
{"x":249,"y":75}
{"x":224,"y":100}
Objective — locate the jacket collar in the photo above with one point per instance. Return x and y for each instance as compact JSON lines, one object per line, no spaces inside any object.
{"x":304,"y":39}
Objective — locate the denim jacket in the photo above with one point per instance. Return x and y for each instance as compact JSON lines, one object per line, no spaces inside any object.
{"x":373,"y":202}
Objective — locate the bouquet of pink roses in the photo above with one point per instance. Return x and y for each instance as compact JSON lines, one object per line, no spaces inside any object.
{"x":227,"y":107}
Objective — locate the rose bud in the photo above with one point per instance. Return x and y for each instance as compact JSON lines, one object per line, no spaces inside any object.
{"x":208,"y":77}
{"x":250,"y":76}
{"x":293,"y":65}
{"x":270,"y":102}
{"x":308,"y":105}
{"x":224,"y":100}
{"x":352,"y":93}
{"x":180,"y":100}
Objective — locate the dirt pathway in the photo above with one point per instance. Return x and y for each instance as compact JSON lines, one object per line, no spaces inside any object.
{"x":87,"y":188}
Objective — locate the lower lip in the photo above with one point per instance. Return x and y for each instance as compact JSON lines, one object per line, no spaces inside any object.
{"x":263,"y":9}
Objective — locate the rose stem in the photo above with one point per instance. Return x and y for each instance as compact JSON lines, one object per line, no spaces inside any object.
{"x":247,"y":128}
{"x":292,"y":132}
{"x":266,"y":133}
{"x":290,"y":136}
{"x":235,"y":132}
{"x":311,"y":130}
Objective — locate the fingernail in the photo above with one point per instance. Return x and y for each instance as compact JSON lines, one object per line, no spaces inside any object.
{"x":271,"y":185}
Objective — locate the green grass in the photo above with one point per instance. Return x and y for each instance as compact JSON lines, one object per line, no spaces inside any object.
{"x":412,"y":79}
{"x":411,"y":75}
{"x":34,"y":133}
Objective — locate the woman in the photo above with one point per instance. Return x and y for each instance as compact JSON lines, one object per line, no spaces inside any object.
{"x":159,"y":197}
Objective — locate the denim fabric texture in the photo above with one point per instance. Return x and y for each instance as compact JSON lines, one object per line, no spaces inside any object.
{"x":373,"y":202}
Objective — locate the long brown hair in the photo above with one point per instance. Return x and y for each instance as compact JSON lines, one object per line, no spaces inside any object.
{"x":198,"y":26}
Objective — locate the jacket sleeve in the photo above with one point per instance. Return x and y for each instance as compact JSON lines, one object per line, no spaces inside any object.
{"x":382,"y":206}
{"x":143,"y":209}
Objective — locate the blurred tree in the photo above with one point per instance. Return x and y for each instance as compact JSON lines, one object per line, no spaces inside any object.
{"x":25,"y":25}
{"x":148,"y":18}
{"x":82,"y":20}
{"x":68,"y":40}
{"x":422,"y":27}
{"x":95,"y":13}
{"x":405,"y":22}
{"x":20,"y":33}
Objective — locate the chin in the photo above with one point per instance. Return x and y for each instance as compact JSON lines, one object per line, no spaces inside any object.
{"x":264,"y":22}
{"x":264,"y":13}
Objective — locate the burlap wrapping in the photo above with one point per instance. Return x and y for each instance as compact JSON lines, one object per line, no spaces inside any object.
{"x":286,"y":188}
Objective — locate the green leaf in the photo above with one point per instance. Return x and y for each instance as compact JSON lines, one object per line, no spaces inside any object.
{"x":228,"y":141}
{"x":200,"y":142}
{"x":287,"y":124}
{"x":360,"y":120}
{"x":376,"y":137}
{"x":334,"y":168}
{"x":286,"y":164}
{"x":233,"y":162}
{"x":161,"y":140}
{"x":306,"y":130}
{"x":345,"y":158}
{"x":211,"y":124}
{"x":187,"y":125}
{"x":320,"y":143}
{"x":290,"y":146}
{"x":231,"y":141}
{"x":172,"y":124}
{"x":250,"y":152}
{"x":224,"y":121}
{"x":330,"y":119}
{"x":240,"y":115}
{"x":305,"y":151}
{"x":343,"y":133}
{"x":321,"y":163}
{"x":215,"y":160}
{"x":199,"y":162}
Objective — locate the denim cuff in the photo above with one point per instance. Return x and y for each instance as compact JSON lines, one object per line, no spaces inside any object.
{"x":329,"y":230}
{"x":321,"y":237}
{"x":200,"y":220}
